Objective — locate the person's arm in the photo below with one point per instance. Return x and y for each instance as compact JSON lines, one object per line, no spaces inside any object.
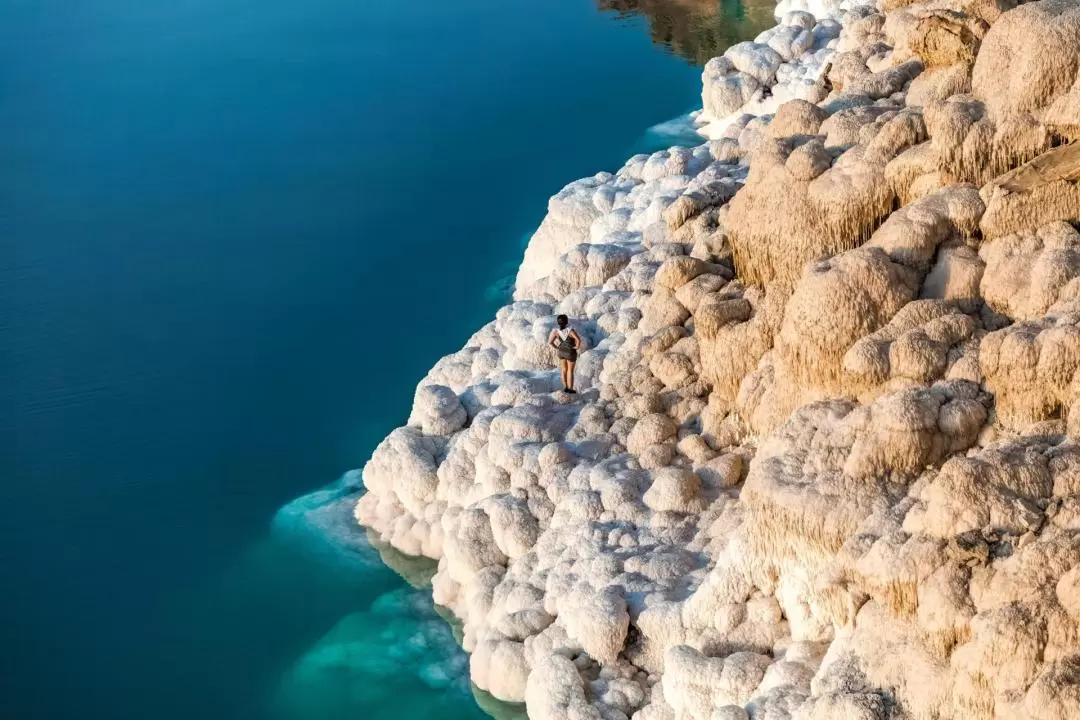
{"x":577,"y":339}
{"x":551,"y":340}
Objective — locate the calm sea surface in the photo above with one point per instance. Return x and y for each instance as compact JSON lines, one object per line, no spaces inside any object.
{"x":233,"y":236}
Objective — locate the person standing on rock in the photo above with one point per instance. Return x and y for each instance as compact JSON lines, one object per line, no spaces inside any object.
{"x":566,"y":342}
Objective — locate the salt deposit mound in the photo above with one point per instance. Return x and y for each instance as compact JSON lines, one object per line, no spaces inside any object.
{"x":824,"y":462}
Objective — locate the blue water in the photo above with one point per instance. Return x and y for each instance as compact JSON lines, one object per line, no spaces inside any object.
{"x":234,"y":234}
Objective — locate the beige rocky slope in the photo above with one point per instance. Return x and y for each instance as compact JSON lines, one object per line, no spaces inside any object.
{"x":825,"y":463}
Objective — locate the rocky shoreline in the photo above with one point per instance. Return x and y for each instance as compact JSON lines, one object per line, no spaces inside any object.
{"x":822,"y":464}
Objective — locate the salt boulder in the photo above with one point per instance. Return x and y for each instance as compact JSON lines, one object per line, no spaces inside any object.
{"x":437,"y":410}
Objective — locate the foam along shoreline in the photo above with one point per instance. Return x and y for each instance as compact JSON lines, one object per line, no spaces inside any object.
{"x":822,"y":463}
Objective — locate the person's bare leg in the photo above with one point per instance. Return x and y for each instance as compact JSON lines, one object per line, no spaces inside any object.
{"x":570,"y":374}
{"x":562,"y":372}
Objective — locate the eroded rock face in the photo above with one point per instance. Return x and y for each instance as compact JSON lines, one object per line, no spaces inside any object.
{"x":823,"y":462}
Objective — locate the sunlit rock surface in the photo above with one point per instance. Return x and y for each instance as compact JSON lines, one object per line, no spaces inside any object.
{"x":822,"y":464}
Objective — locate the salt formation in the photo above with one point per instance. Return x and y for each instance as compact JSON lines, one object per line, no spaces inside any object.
{"x":823,"y":462}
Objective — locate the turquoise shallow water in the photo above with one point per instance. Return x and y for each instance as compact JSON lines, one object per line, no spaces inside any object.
{"x":234,"y":235}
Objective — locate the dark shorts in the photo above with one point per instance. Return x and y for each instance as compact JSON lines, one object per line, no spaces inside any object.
{"x":568,"y":354}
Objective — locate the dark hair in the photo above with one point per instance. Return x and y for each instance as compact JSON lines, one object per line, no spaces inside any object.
{"x":562,"y":320}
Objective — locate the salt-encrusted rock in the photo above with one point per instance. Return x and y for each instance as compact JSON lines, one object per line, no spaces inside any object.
{"x":864,"y":81}
{"x":758,"y":61}
{"x":820,"y":463}
{"x":914,"y":346}
{"x":797,"y":117}
{"x":691,"y":294}
{"x":895,"y":438}
{"x":650,"y":430}
{"x":1028,"y":273}
{"x":437,"y":410}
{"x":938,"y":84}
{"x":737,"y":328}
{"x":722,"y":472}
{"x":818,"y":329}
{"x":514,"y":528}
{"x":555,"y":691}
{"x":673,"y":369}
{"x":912,"y":235}
{"x":599,"y":622}
{"x":988,"y":490}
{"x":674,"y":490}
{"x":725,"y":89}
{"x":585,"y":265}
{"x":973,"y":145}
{"x":1029,"y":57}
{"x":500,"y":668}
{"x":955,"y":276}
{"x":729,"y":712}
{"x":570,"y":213}
{"x":696,"y":684}
{"x":663,"y":309}
{"x":1030,"y":367}
{"x":677,"y":271}
{"x":812,"y":209}
{"x":1042,"y":191}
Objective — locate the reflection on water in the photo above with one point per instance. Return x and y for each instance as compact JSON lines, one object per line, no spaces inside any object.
{"x":698,"y":30}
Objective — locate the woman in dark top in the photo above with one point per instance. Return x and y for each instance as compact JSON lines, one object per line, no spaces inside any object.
{"x":566,"y":342}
